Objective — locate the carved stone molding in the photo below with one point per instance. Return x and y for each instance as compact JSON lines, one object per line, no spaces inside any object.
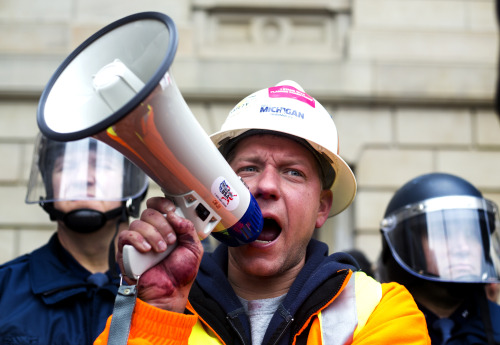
{"x":313,"y":30}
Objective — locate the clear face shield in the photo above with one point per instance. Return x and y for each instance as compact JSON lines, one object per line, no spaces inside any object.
{"x":447,"y":239}
{"x":85,"y":169}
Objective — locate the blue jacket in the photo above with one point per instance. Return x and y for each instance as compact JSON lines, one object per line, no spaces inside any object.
{"x":468,"y":326}
{"x":45,"y":299}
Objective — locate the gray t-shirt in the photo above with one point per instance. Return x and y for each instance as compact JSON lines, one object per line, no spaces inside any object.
{"x":260,"y":312}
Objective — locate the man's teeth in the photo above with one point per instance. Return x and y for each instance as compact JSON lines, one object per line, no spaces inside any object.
{"x":261,"y":241}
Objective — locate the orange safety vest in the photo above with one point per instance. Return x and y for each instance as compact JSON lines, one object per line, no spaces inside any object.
{"x":363,"y":312}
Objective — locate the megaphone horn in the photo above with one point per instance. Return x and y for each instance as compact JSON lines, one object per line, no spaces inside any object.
{"x":116,"y":87}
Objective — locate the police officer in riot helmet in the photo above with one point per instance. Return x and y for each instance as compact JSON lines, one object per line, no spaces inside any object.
{"x":64,"y":291}
{"x":440,"y":239}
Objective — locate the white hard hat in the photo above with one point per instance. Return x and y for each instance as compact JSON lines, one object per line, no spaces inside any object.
{"x":286,"y":108}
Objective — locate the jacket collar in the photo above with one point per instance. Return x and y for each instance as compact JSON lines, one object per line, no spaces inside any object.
{"x":55,"y":275}
{"x":213,"y":271}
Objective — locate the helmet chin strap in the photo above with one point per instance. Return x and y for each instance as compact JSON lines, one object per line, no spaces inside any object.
{"x":84,"y":220}
{"x":88,"y":220}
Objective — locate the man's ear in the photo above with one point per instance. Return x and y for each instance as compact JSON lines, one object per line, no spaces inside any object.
{"x":325,"y":204}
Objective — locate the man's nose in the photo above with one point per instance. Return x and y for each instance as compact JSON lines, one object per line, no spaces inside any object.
{"x":462,"y":243}
{"x":268,"y":184}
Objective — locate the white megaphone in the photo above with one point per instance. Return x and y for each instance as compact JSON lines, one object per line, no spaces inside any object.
{"x":116,"y":88}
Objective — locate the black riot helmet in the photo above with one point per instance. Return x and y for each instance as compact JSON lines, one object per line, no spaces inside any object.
{"x":85,"y":169}
{"x":438,"y":227}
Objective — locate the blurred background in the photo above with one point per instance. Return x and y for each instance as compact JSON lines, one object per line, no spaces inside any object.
{"x":409,"y":83}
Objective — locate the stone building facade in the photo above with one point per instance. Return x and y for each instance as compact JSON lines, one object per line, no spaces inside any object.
{"x":409,"y":84}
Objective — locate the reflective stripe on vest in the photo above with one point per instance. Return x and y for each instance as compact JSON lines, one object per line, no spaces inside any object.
{"x":341,"y":321}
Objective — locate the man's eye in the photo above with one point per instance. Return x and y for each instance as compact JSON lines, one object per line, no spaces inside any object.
{"x":247,"y":169}
{"x":296,"y":173}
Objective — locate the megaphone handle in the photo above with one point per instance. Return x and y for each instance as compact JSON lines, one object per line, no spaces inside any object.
{"x":136,"y":263}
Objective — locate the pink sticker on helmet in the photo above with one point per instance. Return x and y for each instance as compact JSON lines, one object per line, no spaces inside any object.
{"x":291,"y":92}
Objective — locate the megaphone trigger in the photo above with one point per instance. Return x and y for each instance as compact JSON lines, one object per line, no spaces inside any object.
{"x":192,"y":206}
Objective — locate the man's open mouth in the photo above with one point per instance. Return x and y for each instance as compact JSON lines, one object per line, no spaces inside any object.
{"x":270,"y":231}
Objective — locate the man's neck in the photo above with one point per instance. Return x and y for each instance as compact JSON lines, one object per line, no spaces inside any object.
{"x":256,"y":287}
{"x":436,"y":299}
{"x":90,"y":250}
